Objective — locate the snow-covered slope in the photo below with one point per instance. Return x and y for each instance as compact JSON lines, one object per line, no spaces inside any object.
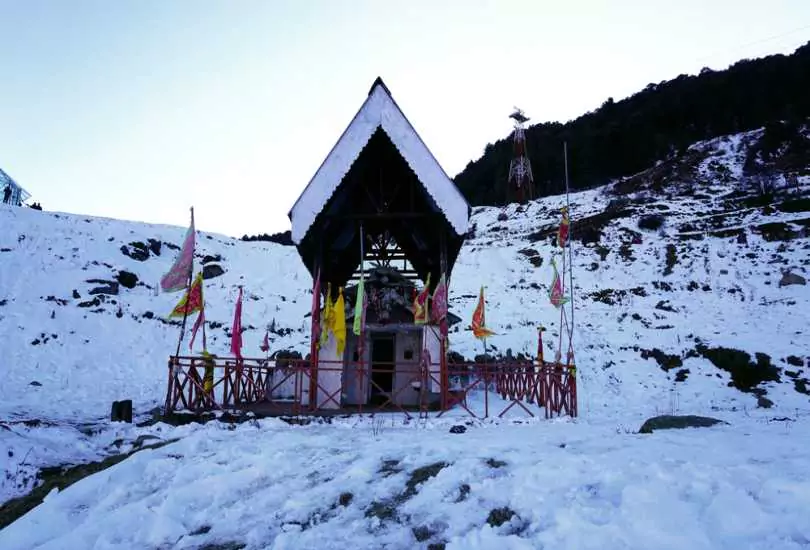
{"x":664,"y":320}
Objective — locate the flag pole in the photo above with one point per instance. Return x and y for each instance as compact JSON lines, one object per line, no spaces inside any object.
{"x":188,"y":288}
{"x":570,"y":258}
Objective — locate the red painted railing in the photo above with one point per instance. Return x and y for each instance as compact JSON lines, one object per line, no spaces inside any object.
{"x":287,"y":387}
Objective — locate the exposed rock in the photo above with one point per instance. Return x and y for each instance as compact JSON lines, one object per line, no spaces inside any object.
{"x":154,"y":246}
{"x":212,"y":270}
{"x":95,"y":302}
{"x":121,"y":411}
{"x":208,"y":259}
{"x":458,"y":429}
{"x":536,"y":261}
{"x":110,"y":289}
{"x":35,"y":383}
{"x":127,"y":279}
{"x":789,"y":278}
{"x":668,"y":422}
{"x":76,"y":294}
{"x":136,"y":250}
{"x":651,"y":222}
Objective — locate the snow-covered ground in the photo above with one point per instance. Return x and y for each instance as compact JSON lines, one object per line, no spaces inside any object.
{"x":639,"y":293}
{"x":508,"y":484}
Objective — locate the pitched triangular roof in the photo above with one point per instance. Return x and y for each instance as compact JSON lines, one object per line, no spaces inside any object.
{"x":378,"y":111}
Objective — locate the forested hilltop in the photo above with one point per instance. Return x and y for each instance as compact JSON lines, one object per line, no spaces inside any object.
{"x":623,"y":137}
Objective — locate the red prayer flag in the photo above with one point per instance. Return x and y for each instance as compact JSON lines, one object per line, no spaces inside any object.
{"x":479,"y":327}
{"x":197,"y":324}
{"x":192,"y":300}
{"x":555,"y":293}
{"x":236,"y":330}
{"x":439,"y":312}
{"x":562,"y":233}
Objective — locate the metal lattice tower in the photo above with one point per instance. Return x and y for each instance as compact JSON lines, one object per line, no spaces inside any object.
{"x":521,"y":181}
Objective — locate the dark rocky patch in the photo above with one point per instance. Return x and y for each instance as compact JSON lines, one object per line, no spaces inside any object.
{"x":212,"y":270}
{"x":422,"y":533}
{"x":671,"y":259}
{"x":463,"y":492}
{"x":777,"y":231}
{"x":499,"y":516}
{"x":95,"y":302}
{"x":666,"y":361}
{"x":110,"y":289}
{"x":662,"y":285}
{"x":154,"y":246}
{"x":664,"y":305}
{"x":420,"y":475}
{"x":651,"y":222}
{"x":789,"y":278}
{"x":745,"y":374}
{"x":136,"y":250}
{"x":207,"y":259}
{"x":126,"y":279}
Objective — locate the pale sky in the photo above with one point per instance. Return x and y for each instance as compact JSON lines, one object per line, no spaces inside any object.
{"x":138,"y":109}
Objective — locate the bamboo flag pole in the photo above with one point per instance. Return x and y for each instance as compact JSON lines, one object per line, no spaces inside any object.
{"x":188,"y":288}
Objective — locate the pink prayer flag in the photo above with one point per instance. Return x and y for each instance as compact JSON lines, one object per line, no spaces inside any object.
{"x":179,"y":274}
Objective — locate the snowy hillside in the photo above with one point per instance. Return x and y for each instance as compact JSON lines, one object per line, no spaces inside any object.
{"x":690,"y":295}
{"x":68,"y":353}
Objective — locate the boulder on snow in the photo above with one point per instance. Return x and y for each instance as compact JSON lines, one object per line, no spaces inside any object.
{"x":669,"y":422}
{"x":212,"y":270}
{"x":789,"y":278}
{"x":127,"y":279}
{"x":121,"y":411}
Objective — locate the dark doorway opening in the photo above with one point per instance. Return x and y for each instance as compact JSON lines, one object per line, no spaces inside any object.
{"x":382,"y":368}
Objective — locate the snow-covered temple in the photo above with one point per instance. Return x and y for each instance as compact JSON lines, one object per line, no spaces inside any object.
{"x":381,"y":195}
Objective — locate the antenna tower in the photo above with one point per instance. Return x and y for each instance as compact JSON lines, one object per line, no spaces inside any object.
{"x":521,"y":181}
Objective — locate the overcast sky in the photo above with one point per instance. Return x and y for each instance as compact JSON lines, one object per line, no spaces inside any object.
{"x":138,"y":109}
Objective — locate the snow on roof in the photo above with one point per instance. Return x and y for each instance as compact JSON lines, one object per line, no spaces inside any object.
{"x":379,"y":110}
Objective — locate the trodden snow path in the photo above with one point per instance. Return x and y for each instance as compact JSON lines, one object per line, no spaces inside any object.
{"x":569,"y":484}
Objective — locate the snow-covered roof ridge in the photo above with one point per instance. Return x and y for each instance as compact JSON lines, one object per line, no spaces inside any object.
{"x":378,"y":111}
